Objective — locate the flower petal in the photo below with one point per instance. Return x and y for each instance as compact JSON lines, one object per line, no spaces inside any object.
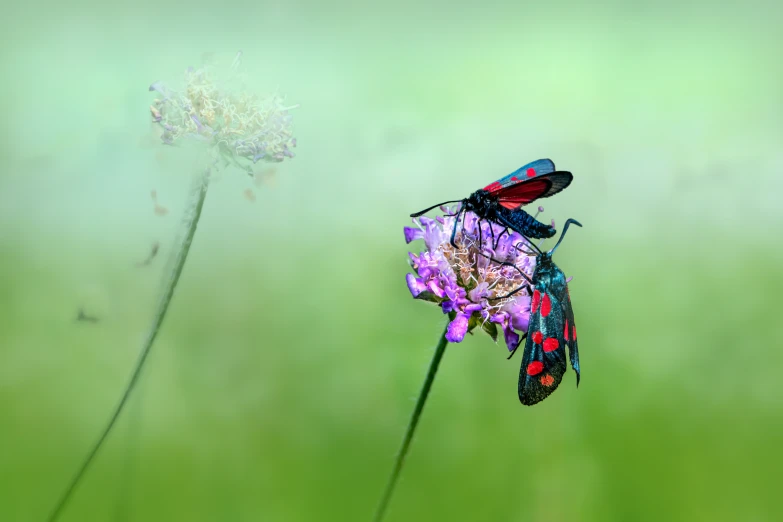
{"x":412,"y":234}
{"x":457,"y":329}
{"x":519,"y":310}
{"x":435,"y":288}
{"x":415,"y":285}
{"x":512,"y":338}
{"x":521,"y":321}
{"x":455,"y":292}
{"x":475,"y":307}
{"x":479,"y":293}
{"x":433,"y":235}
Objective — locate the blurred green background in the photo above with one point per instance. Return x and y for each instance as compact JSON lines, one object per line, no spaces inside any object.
{"x":285,"y":373}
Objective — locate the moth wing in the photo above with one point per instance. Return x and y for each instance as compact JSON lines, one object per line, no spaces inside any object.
{"x":527,"y":191}
{"x":569,"y":333}
{"x":524,"y":173}
{"x":544,"y":359}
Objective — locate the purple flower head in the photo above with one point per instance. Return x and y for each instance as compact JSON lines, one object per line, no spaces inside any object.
{"x":472,"y":282}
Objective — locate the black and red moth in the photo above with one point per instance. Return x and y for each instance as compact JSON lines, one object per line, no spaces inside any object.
{"x":501,"y":200}
{"x":551,"y":328}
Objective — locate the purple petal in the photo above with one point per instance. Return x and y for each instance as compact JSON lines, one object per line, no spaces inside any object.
{"x":457,"y":329}
{"x":412,"y":234}
{"x":479,"y":293}
{"x":520,"y":321}
{"x":471,"y":220}
{"x":519,"y":311}
{"x":511,"y":337}
{"x":196,"y":121}
{"x":424,"y":220}
{"x":499,"y":318}
{"x":469,"y":309}
{"x":415,"y":285}
{"x":454,"y":292}
{"x":158,"y":86}
{"x":433,"y":235}
{"x":435,"y":288}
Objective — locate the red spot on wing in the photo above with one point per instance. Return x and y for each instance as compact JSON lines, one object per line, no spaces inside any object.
{"x":574,"y":328}
{"x":547,"y":380}
{"x":511,"y":205}
{"x":565,"y":330}
{"x":535,"y":368}
{"x":550,"y":344}
{"x":531,"y":172}
{"x":514,"y":178}
{"x":546,"y":306}
{"x":535,"y":302}
{"x":537,"y":337}
{"x":493,"y":187}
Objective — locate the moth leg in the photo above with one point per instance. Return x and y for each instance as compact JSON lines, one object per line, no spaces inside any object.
{"x":515,"y":349}
{"x":463,"y":227}
{"x":495,"y":246}
{"x":454,"y":231}
{"x":481,"y":239}
{"x":529,"y":291}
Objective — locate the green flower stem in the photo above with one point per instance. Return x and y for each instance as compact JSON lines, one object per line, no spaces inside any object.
{"x":192,"y":216}
{"x":425,"y":391}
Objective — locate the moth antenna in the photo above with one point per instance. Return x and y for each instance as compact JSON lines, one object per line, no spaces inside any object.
{"x":562,"y":234}
{"x":417,"y":214}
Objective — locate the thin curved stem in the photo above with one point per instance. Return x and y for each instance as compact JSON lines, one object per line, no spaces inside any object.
{"x":124,"y":505}
{"x":192,"y":216}
{"x":425,"y":390}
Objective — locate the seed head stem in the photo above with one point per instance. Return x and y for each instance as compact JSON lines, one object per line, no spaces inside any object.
{"x":192,"y":216}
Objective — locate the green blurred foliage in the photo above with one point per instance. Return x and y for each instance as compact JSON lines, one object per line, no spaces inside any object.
{"x":285,"y":373}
